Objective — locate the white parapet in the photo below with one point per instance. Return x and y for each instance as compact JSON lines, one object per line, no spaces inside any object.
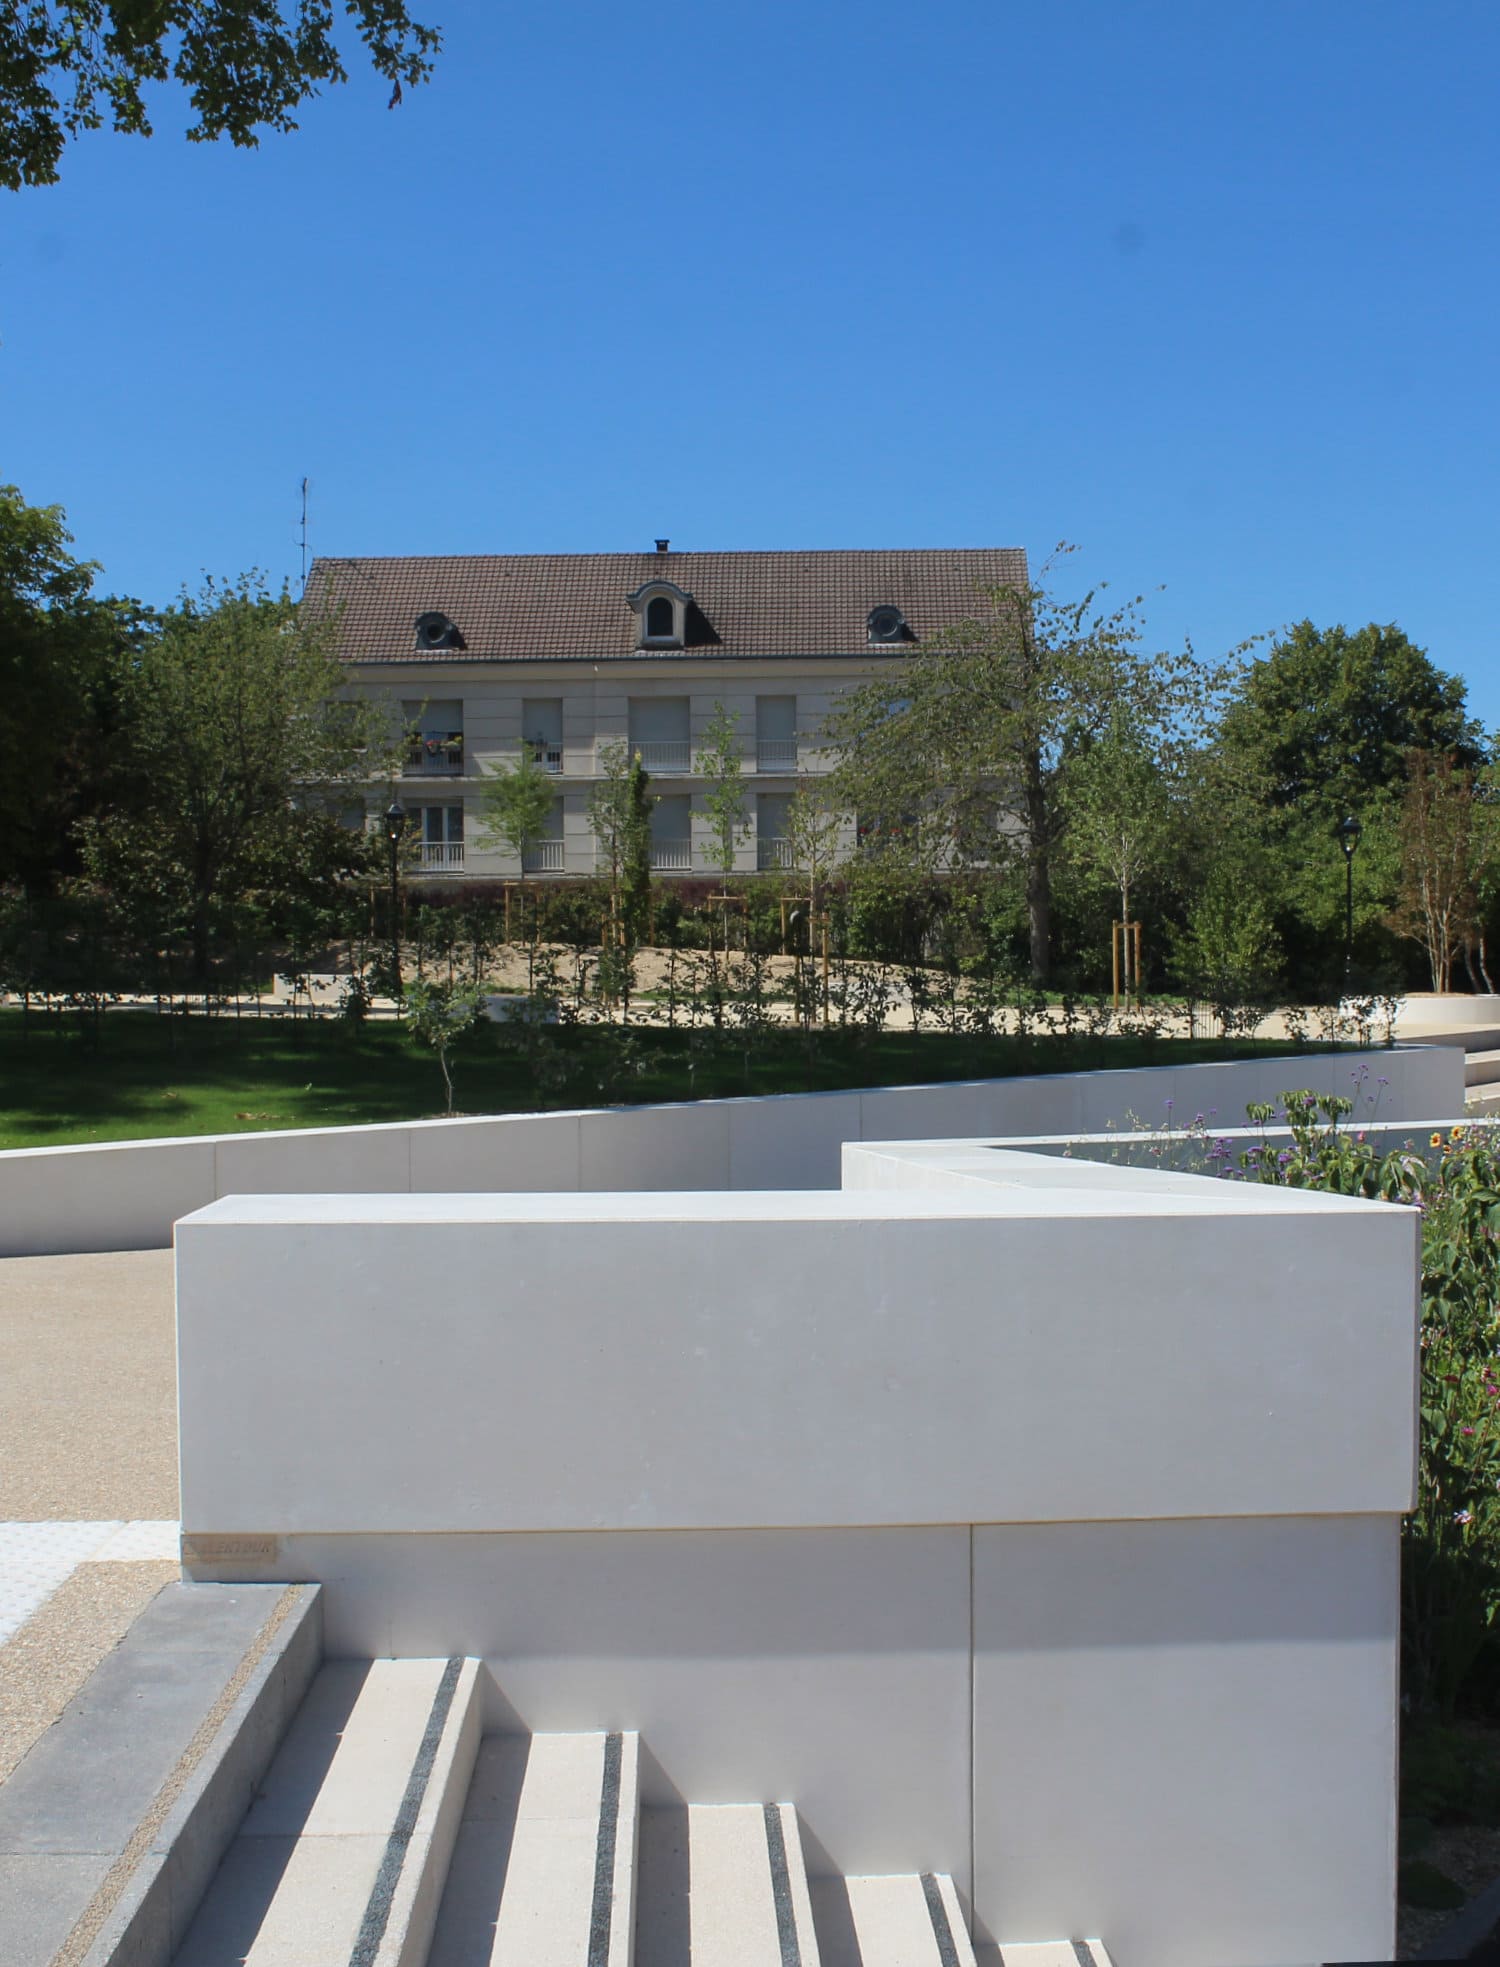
{"x":1025,"y":1520}
{"x":119,"y":1195}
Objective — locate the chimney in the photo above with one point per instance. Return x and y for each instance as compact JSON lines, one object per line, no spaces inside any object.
{"x":662,"y":545}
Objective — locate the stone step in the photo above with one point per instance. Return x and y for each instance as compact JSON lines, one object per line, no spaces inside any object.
{"x":543,"y":1871}
{"x":1053,"y":1953}
{"x":908,"y":1920}
{"x":1481,"y":1068}
{"x":343,"y":1856}
{"x":724,"y":1885}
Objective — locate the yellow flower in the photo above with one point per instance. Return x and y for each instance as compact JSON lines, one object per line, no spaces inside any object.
{"x":1435,"y":1140}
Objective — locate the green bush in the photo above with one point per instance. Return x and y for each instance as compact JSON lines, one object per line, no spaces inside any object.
{"x":1451,"y":1541}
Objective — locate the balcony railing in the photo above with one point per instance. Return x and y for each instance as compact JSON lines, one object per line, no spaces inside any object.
{"x":773,"y":852}
{"x":548,"y":756}
{"x":663,"y":754}
{"x":434,"y":758}
{"x":543,"y":857}
{"x":776,"y":755}
{"x":442,"y":854}
{"x":672,"y":856}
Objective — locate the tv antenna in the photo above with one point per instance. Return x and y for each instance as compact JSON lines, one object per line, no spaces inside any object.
{"x":304,"y":536}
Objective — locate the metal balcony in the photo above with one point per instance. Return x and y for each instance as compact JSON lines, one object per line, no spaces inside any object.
{"x":442,"y":855}
{"x":543,"y":857}
{"x":776,"y":755}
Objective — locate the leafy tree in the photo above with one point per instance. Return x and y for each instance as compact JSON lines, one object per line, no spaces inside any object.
{"x":58,"y":644}
{"x":1121,"y":819}
{"x":975,"y":735}
{"x":235,"y":761}
{"x":635,"y":891}
{"x":517,"y":804}
{"x":1325,"y":719}
{"x":70,"y":65}
{"x":620,"y":819}
{"x":719,"y":763}
{"x":1449,"y":846}
{"x":438,"y":1015}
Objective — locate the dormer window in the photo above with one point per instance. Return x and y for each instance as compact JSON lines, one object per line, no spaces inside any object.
{"x":436,"y":631}
{"x":887,"y":624}
{"x":662,"y":608}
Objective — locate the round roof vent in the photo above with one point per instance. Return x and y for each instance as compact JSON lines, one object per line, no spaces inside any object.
{"x":886,"y":624}
{"x":436,"y":631}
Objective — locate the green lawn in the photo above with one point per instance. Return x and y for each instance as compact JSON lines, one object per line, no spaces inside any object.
{"x":144,"y":1075}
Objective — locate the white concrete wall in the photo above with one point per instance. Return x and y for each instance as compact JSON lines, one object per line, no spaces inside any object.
{"x":1010,"y":1517}
{"x":126,"y":1195}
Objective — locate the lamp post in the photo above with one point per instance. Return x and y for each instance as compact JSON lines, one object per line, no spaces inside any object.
{"x":395,"y":826}
{"x":1349,"y":832}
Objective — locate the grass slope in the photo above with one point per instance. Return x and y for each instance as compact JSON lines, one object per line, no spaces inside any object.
{"x":141,"y":1075}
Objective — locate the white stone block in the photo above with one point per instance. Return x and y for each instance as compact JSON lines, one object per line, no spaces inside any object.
{"x":519,"y":1153}
{"x":353,"y":1160}
{"x":125,"y":1196}
{"x":729,"y":1361}
{"x":1205,"y":1715}
{"x":655,"y":1147}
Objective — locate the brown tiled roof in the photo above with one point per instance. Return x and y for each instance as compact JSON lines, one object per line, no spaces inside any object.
{"x":558,"y":607}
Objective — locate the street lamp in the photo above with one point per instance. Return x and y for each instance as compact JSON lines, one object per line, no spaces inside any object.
{"x":395,"y":826}
{"x":1349,"y":832}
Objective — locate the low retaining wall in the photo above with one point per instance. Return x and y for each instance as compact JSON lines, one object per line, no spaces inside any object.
{"x":126,"y":1195}
{"x":1000,"y":1518}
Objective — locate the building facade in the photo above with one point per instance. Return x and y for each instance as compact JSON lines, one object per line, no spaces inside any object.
{"x":564,"y":655}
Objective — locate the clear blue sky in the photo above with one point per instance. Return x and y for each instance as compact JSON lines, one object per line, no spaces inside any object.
{"x":1211,"y":291}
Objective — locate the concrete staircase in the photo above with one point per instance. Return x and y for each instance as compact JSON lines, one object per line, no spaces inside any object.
{"x":389,"y":1832}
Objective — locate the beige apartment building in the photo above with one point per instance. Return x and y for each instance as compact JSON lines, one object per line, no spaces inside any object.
{"x":566,"y":653}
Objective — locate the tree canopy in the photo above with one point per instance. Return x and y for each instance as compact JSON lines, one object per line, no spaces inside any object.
{"x":1326,"y":718}
{"x":58,"y":645}
{"x":227,"y":772}
{"x":246,"y":65}
{"x":966,"y":749}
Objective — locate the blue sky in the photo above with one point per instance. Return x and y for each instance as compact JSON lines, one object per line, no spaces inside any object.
{"x":1213,"y":292}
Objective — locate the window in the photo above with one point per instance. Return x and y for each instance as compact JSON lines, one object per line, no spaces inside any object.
{"x":659,"y":731}
{"x":773,"y":847}
{"x":662,"y":608}
{"x":435,"y":740}
{"x":776,"y":734}
{"x":672,"y":833}
{"x":541,"y":731}
{"x":545,"y":855}
{"x":442,"y":838}
{"x":660,"y":622}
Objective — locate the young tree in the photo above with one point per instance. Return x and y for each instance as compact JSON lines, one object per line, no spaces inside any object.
{"x":620,"y":819}
{"x":1448,"y":850}
{"x":719,"y":762}
{"x":438,"y":1015}
{"x":1120,"y":817}
{"x":235,"y":761}
{"x":517,"y":804}
{"x":975,"y":734}
{"x":67,"y":65}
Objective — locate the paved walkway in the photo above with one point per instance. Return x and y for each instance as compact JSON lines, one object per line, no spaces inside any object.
{"x":88,"y":1471}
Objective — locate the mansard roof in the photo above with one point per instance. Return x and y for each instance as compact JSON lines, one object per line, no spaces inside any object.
{"x":575,"y":607}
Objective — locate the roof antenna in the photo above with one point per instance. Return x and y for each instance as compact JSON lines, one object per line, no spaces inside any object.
{"x":304,"y":536}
